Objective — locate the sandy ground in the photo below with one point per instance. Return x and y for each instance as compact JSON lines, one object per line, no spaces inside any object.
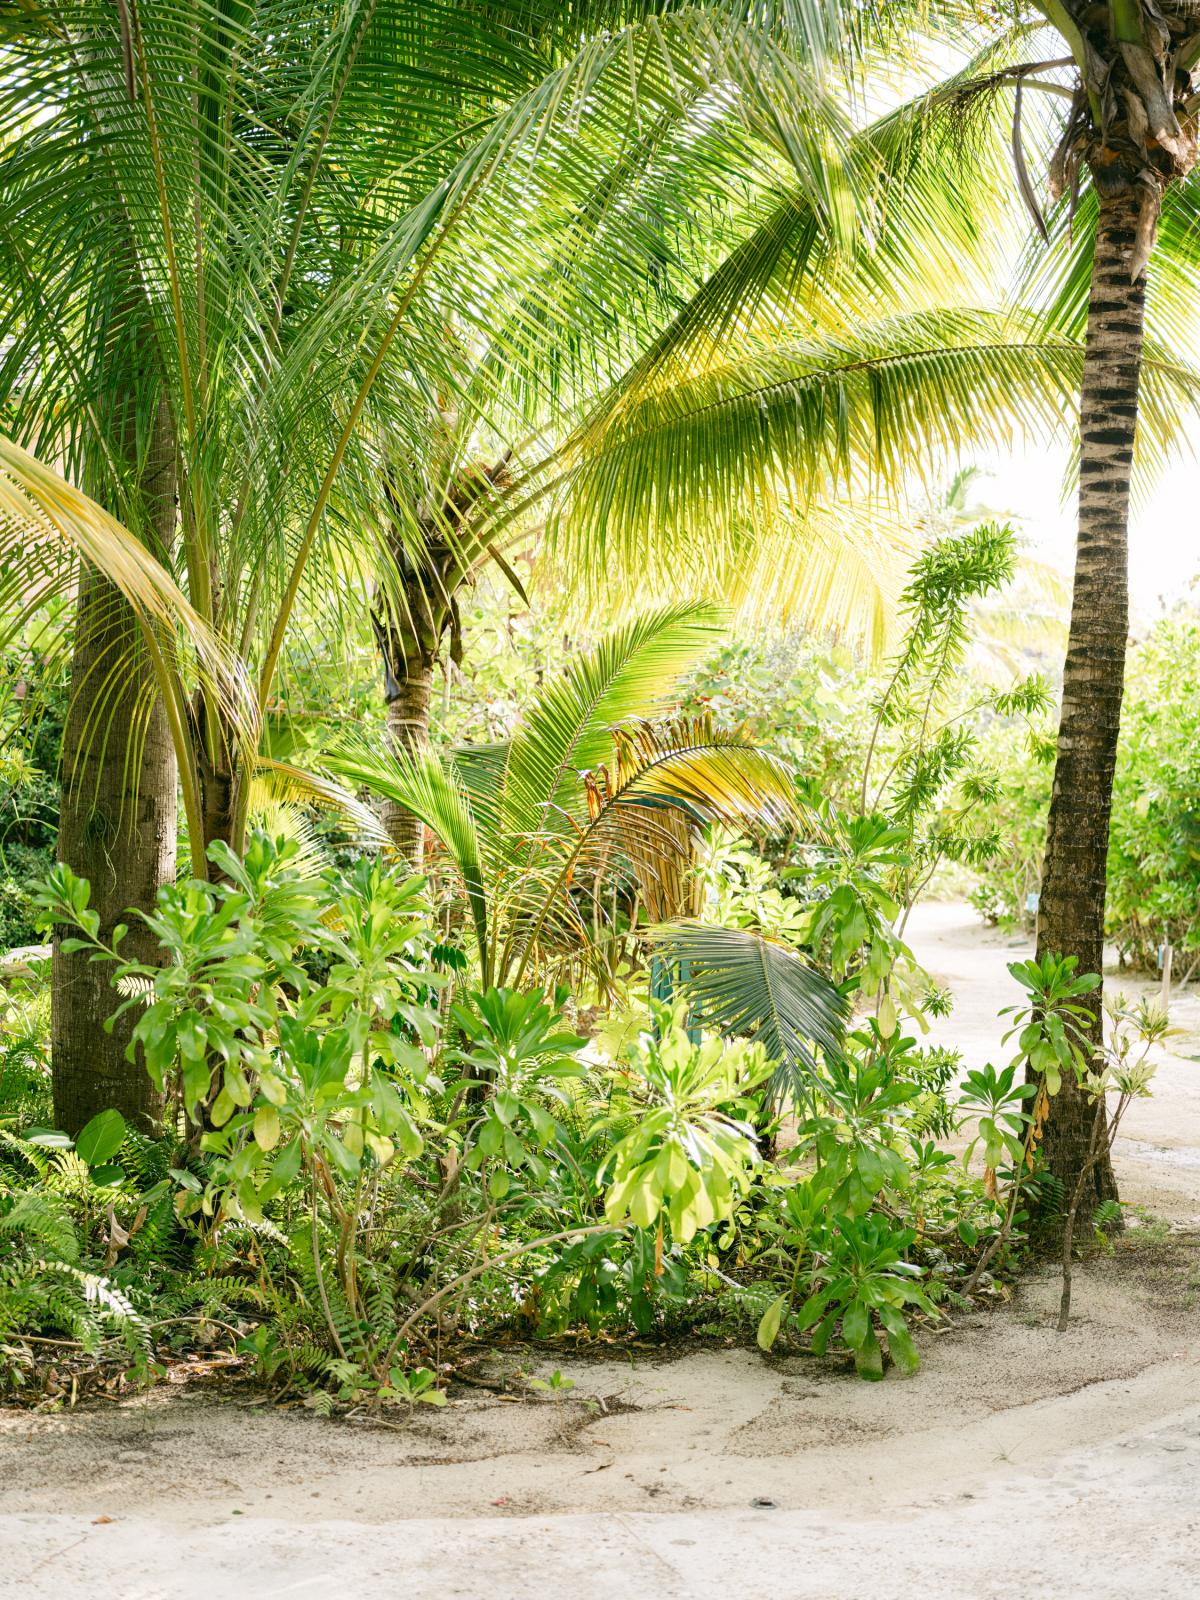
{"x":1017,"y":1460}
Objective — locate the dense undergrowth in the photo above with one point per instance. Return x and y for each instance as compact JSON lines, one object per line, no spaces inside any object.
{"x":402,"y":1112}
{"x":396,"y":1171}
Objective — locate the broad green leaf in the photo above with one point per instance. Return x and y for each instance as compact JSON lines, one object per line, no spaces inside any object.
{"x":266,"y":1127}
{"x":101,"y":1138}
{"x":768,"y":1327}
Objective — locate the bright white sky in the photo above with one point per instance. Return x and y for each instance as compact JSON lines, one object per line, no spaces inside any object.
{"x":1164,"y":542}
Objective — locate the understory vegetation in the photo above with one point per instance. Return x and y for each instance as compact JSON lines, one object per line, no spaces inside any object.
{"x":639,"y":1054}
{"x":498,"y":637}
{"x":1154,"y":853}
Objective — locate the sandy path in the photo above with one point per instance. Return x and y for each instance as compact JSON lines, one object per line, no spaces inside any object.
{"x":1158,"y":1154}
{"x":1016,"y":1460}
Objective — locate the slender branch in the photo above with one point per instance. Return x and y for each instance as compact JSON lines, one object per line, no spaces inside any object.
{"x":487,"y":1266}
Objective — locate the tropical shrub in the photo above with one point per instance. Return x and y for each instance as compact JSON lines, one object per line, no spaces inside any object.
{"x":1154,"y":841}
{"x":387,"y":1126}
{"x":367,"y":1151}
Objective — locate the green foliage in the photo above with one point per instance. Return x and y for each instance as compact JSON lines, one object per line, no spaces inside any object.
{"x":519,"y":1052}
{"x":856,"y":1276}
{"x":1154,"y":848}
{"x":744,"y":984}
{"x":50,"y":1286}
{"x":937,"y":787}
{"x":33,"y":708}
{"x":868,"y":1278}
{"x":553,"y":850}
{"x":688,"y":1157}
{"x":1052,"y":1027}
{"x":372,"y":1147}
{"x":1154,"y":841}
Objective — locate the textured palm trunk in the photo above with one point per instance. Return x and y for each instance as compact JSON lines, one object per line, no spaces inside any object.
{"x":409,"y":700}
{"x":218,"y":793}
{"x":411,"y":626}
{"x":117,"y":828}
{"x":1071,"y":911}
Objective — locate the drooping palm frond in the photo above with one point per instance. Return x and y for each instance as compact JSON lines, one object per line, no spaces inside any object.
{"x":47,"y":527}
{"x":714,"y":455}
{"x":742,"y":983}
{"x":279,"y":783}
{"x":667,"y":782}
{"x":932,"y":227}
{"x":51,"y":525}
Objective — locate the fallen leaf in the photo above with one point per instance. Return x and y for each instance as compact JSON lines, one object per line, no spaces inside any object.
{"x":97,"y":1521}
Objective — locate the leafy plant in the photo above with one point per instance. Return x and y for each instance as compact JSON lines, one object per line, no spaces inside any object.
{"x":1124,"y":1071}
{"x":687,"y":1158}
{"x":523,"y":1055}
{"x":860,"y":1281}
{"x":555,"y":851}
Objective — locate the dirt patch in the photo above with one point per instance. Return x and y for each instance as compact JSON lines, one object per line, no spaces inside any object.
{"x":712,"y":1428}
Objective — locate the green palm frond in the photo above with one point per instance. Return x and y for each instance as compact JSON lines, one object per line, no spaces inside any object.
{"x":47,"y":527}
{"x":40,"y":512}
{"x":431,"y":789}
{"x":743,"y":984}
{"x":666,"y":783}
{"x":631,"y":670}
{"x":688,"y":764}
{"x":280,"y":784}
{"x":716,"y":454}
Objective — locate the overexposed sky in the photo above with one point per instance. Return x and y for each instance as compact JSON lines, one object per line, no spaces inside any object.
{"x":1164,"y":542}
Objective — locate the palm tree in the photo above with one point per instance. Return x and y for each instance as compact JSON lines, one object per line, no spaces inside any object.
{"x":732,"y":415}
{"x":1121,"y":75}
{"x":1119,"y":161}
{"x":228,"y":245}
{"x":573,"y":842}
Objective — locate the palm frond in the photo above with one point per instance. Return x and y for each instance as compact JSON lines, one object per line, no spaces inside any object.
{"x":759,"y":438}
{"x":431,"y":789}
{"x":630,"y":671}
{"x":279,"y":783}
{"x":743,"y":984}
{"x":47,"y":526}
{"x":573,"y":891}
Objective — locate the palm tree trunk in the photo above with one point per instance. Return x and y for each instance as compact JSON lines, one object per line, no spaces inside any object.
{"x":1071,"y":909}
{"x":410,"y":696}
{"x":117,"y":825}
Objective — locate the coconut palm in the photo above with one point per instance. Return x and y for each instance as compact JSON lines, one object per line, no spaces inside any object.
{"x":721,"y":428}
{"x":1114,"y":86}
{"x":1105,"y":93}
{"x":229,"y":241}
